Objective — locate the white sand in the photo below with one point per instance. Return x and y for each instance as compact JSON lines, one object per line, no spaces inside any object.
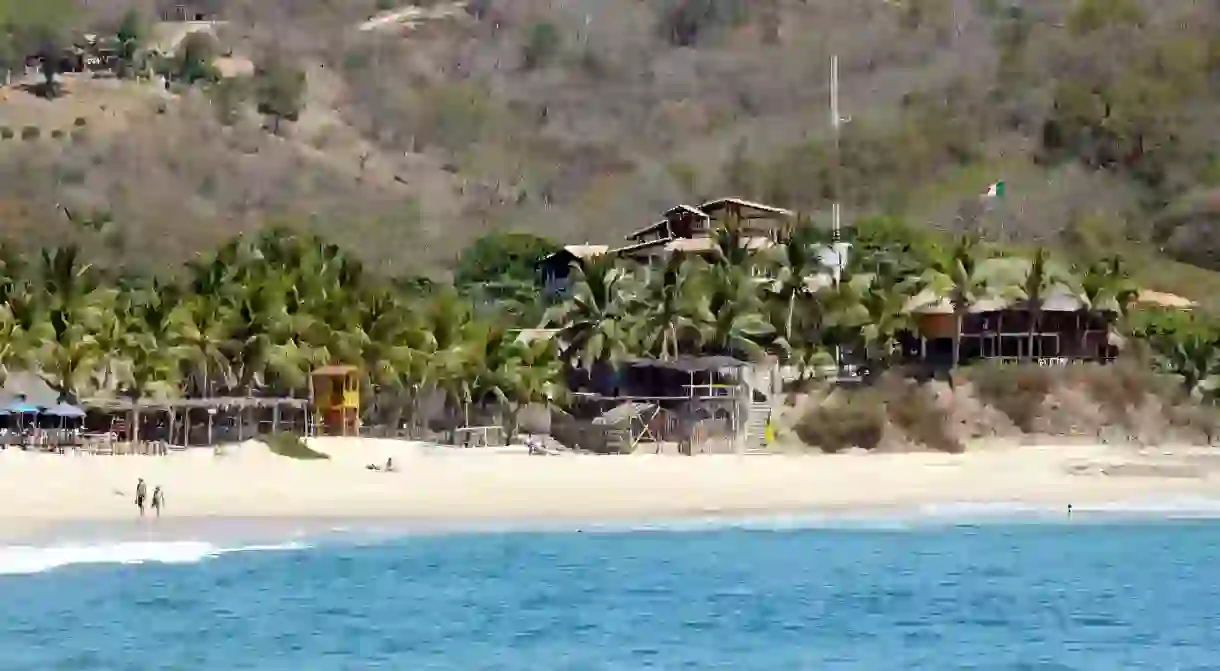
{"x":450,"y":485}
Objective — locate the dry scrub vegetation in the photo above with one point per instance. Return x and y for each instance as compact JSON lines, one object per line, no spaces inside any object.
{"x":580,"y":119}
{"x":1118,"y":403}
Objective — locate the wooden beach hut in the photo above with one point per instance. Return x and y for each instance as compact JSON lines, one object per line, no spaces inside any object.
{"x":335,"y":395}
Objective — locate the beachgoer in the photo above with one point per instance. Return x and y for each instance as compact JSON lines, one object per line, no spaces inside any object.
{"x":1069,"y":511}
{"x":158,"y":500}
{"x":389,"y":465}
{"x":141,"y":494}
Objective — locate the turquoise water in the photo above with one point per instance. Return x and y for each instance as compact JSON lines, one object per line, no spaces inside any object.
{"x":1080,"y":596}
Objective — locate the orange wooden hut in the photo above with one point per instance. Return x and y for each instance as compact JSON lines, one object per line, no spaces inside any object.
{"x":335,"y":394}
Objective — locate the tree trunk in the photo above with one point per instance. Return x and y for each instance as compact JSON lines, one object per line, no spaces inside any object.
{"x":788,"y":321}
{"x":1033,"y":328}
{"x":958,"y":318}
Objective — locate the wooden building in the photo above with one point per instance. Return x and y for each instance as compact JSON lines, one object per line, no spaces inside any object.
{"x":335,"y":392}
{"x":554,"y":271}
{"x":1003,"y":328}
{"x":689,"y":229}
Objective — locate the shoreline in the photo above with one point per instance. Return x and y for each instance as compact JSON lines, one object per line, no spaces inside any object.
{"x":440,"y":489}
{"x":237,"y":531}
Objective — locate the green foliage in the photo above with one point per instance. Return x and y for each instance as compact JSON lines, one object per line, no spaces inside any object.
{"x":290,"y":445}
{"x":543,"y":43}
{"x":193,"y":61}
{"x":500,"y":257}
{"x":686,"y":22}
{"x":6,"y":133}
{"x":279,"y":89}
{"x":131,"y":34}
{"x":1092,"y":15}
{"x":31,"y":133}
{"x":229,"y":97}
{"x":450,"y":115}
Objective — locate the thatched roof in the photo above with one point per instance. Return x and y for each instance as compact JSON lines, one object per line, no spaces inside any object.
{"x":690,"y":364}
{"x":623,"y":413}
{"x":1164,"y":300}
{"x":31,"y":387}
{"x":766,"y":210}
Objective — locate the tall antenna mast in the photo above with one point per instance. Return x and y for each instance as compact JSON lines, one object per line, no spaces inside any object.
{"x":836,"y":122}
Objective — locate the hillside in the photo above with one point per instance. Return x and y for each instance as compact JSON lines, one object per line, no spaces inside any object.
{"x":581,"y":119}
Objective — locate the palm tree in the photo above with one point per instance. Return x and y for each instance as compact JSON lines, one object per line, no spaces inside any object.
{"x":798,"y":262}
{"x":203,"y":329}
{"x":1042,"y":278}
{"x":1107,"y":289}
{"x":872,"y":306}
{"x":590,"y":319}
{"x":74,"y":307}
{"x":152,"y":348}
{"x":1196,"y":358}
{"x":954,"y":275}
{"x":730,"y":313}
{"x":661,"y":309}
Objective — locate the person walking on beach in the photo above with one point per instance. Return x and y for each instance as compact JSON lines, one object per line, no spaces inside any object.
{"x":158,"y":500}
{"x":141,"y":494}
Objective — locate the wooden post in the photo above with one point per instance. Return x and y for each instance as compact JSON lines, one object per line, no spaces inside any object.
{"x":186,"y":426}
{"x":241,"y":424}
{"x":275,"y":418}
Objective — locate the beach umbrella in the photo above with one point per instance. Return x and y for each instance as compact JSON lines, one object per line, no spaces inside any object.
{"x":22,"y":408}
{"x":66,"y":410}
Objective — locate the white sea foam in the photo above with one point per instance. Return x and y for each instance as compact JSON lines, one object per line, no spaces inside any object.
{"x":24,"y":560}
{"x":927,"y":515}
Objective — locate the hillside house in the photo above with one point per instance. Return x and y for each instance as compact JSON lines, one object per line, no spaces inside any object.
{"x":1005,"y":330}
{"x":554,"y":271}
{"x":196,"y":10}
{"x":688,"y":229}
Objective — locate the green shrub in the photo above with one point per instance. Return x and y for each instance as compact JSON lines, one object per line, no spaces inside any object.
{"x":686,"y":22}
{"x":57,"y":134}
{"x":80,"y":122}
{"x":6,"y":133}
{"x":290,"y":445}
{"x":543,"y":42}
{"x":857,"y":422}
{"x":1017,"y":391}
{"x":30,"y":133}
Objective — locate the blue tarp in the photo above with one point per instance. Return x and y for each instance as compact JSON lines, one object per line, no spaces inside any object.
{"x":65,"y":410}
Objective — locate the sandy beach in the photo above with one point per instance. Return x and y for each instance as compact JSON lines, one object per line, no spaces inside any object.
{"x":451,"y":486}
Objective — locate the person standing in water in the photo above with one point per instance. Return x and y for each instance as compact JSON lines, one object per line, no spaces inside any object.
{"x":158,"y":500}
{"x":141,"y":494}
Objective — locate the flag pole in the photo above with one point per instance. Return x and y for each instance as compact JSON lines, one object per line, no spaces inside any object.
{"x":836,"y":121}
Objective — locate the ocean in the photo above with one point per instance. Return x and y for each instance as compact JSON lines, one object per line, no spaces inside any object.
{"x":941,"y":592}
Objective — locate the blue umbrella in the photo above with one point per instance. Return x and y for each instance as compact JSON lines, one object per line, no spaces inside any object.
{"x":22,"y":408}
{"x":66,"y":410}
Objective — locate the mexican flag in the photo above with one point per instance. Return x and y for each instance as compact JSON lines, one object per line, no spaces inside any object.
{"x":995,"y":190}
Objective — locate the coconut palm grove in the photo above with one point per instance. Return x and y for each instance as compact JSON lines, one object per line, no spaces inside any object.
{"x":255,"y":316}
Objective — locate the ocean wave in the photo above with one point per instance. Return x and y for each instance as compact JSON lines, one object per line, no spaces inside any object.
{"x":924,"y":516}
{"x":25,"y":560}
